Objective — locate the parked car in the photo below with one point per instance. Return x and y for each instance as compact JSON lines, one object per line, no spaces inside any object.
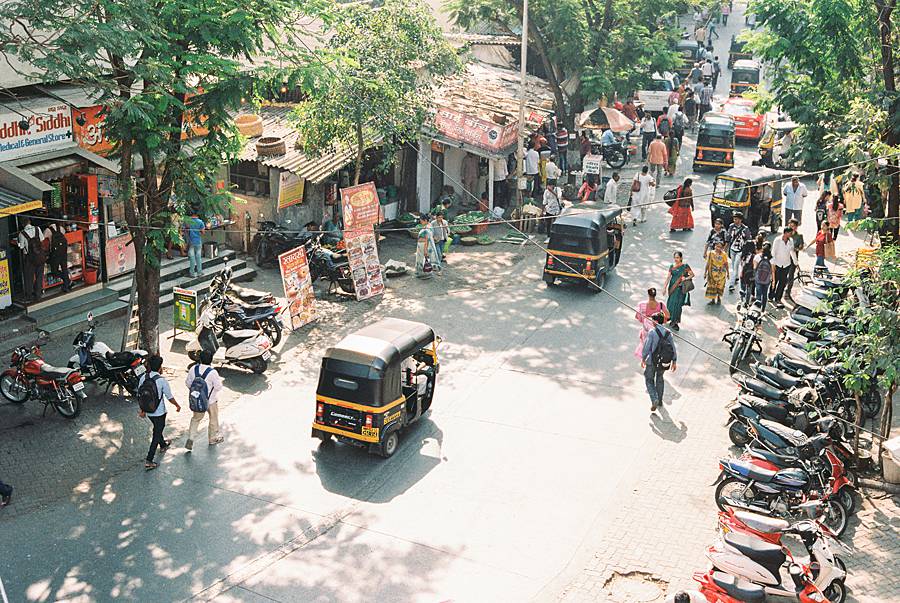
{"x":748,"y":124}
{"x":656,"y":98}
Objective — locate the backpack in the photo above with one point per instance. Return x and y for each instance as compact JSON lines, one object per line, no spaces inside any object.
{"x":764,"y":272}
{"x":147,"y":394}
{"x":664,"y":353}
{"x":664,"y":126}
{"x":36,"y":251}
{"x":58,"y":245}
{"x":198,"y":394}
{"x":678,"y":126}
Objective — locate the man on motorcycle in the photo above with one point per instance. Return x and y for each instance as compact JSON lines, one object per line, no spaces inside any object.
{"x":608,"y":138}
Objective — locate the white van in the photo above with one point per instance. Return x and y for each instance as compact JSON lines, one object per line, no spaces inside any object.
{"x":656,"y":98}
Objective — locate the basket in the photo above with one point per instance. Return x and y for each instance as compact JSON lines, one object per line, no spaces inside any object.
{"x":468,"y":241}
{"x":269,"y":146}
{"x":249,"y":125}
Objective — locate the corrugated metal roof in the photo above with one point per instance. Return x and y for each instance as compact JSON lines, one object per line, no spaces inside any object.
{"x":276,"y":122}
{"x":483,"y":39}
{"x":12,"y":202}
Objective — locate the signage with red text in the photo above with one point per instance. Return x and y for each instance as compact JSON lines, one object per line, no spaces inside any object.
{"x":49,"y":127}
{"x":90,"y":135}
{"x":474,"y":131}
{"x":298,"y":289}
{"x":361,"y":208}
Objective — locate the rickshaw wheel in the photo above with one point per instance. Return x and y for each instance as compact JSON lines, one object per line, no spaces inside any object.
{"x":550,"y":280}
{"x":389,"y":447}
{"x":599,"y":282}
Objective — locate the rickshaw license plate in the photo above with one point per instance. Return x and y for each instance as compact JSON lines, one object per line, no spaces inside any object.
{"x":370,"y":432}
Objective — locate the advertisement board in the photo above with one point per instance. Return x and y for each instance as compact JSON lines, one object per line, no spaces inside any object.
{"x":591,"y":164}
{"x":361,"y":207}
{"x":474,"y":130}
{"x":185,"y":309}
{"x":298,"y":289}
{"x":5,"y":285}
{"x":290,"y":189}
{"x":90,"y":136}
{"x":365,"y":268}
{"x":49,"y":127}
{"x":120,"y":257}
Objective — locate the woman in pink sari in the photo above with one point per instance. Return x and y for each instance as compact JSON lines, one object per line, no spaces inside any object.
{"x":644,"y":315}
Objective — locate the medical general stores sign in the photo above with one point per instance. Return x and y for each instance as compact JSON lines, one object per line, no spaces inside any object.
{"x":473,"y":130}
{"x":49,"y":127}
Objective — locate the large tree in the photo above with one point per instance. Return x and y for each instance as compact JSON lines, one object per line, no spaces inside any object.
{"x":379,"y":67}
{"x":162,"y":68}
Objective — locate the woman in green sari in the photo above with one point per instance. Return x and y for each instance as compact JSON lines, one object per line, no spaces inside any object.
{"x":674,"y":287}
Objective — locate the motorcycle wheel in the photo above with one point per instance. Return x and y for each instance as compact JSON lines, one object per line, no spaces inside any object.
{"x":260,"y":255}
{"x":738,"y":435}
{"x":14,"y":388}
{"x":272,"y":328}
{"x":836,"y":592}
{"x":257,"y":365}
{"x":846,"y":500}
{"x":835,"y":518}
{"x":729,"y":488}
{"x":737,"y":351}
{"x":615,"y":158}
{"x":70,"y":405}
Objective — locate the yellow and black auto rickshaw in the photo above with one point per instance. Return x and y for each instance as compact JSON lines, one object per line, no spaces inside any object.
{"x":744,"y":77}
{"x":754,"y":191}
{"x":775,"y":142}
{"x":690,"y":54}
{"x":737,"y":52}
{"x":584,"y":247}
{"x":375,"y":382}
{"x":715,"y":142}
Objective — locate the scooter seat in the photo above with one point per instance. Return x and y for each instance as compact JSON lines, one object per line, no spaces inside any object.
{"x":48,"y":370}
{"x":739,"y":589}
{"x":794,"y":436}
{"x":768,"y":555}
{"x":761,"y":523}
{"x":760,"y":388}
{"x":122,"y":358}
{"x":771,"y":373}
{"x":798,"y":365}
{"x":230,"y":338}
{"x":782,"y":460}
{"x":766,"y":408}
{"x":249,"y":295}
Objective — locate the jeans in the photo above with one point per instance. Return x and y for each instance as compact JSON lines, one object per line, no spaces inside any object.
{"x":197,"y":418}
{"x":792,"y":213}
{"x":195,"y":260}
{"x":563,"y":160}
{"x":820,"y":262}
{"x":762,"y":294}
{"x":34,"y":280}
{"x":439,"y":249}
{"x":59,"y":269}
{"x":734,"y":269}
{"x":646,"y":139}
{"x":653,"y":378}
{"x":781,"y":281}
{"x":747,"y":293}
{"x":656,"y":170}
{"x":792,"y":273}
{"x":159,"y":424}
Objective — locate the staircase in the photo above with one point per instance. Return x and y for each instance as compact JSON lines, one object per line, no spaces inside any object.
{"x":109,"y":301}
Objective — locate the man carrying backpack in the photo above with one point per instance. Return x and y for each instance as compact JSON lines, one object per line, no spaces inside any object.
{"x":153,"y":391}
{"x":204,"y":385}
{"x":657,"y":357}
{"x":57,"y":259}
{"x":31,"y":244}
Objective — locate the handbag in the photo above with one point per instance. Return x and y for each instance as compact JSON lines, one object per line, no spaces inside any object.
{"x":687,"y":285}
{"x":427,"y":267}
{"x":671,"y":196}
{"x":635,"y":186}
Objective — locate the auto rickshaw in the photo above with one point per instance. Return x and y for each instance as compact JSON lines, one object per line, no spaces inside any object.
{"x":737,"y":51}
{"x":715,"y":142}
{"x":754,"y":191}
{"x":375,"y":382}
{"x":775,"y":142}
{"x":584,"y":246}
{"x":744,"y":77}
{"x":690,"y":54}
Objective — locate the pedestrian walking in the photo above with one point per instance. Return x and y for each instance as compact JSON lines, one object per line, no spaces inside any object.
{"x":204,"y":384}
{"x":690,"y":109}
{"x":611,"y":194}
{"x":532,"y":170}
{"x":5,"y":494}
{"x":822,"y":207}
{"x":716,"y":235}
{"x":31,"y":245}
{"x":426,"y":254}
{"x":153,"y":392}
{"x":854,"y":198}
{"x":794,"y":194}
{"x":782,"y":257}
{"x":658,"y":356}
{"x":682,"y":211}
{"x":799,"y":245}
{"x":678,"y":287}
{"x":673,"y":149}
{"x":58,"y":256}
{"x":630,"y":111}
{"x":562,"y":148}
{"x":696,"y":77}
{"x":441,"y":231}
{"x":552,"y":170}
{"x":192,"y":231}
{"x":648,"y":134}
{"x":644,"y":316}
{"x":707,"y":70}
{"x":736,"y":236}
{"x":717,"y":71}
{"x":706,"y":98}
{"x":835,"y":211}
{"x":700,"y":35}
{"x":726,"y":10}
{"x":716,"y":273}
{"x":658,"y":156}
{"x":552,"y":207}
{"x":763,"y":275}
{"x":679,"y":121}
{"x":640,"y":192}
{"x":822,"y":240}
{"x":500,"y":184}
{"x":584,"y":146}
{"x":748,"y":280}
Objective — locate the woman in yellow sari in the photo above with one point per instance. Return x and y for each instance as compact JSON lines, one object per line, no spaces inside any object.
{"x":716,"y":274}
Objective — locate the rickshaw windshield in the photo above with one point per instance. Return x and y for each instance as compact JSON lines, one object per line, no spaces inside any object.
{"x":583,"y":245}
{"x":745,"y":76}
{"x":350,"y":382}
{"x":715,"y":140}
{"x":734,"y":191}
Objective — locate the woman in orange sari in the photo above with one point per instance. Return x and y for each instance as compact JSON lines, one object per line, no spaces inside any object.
{"x":683,"y":208}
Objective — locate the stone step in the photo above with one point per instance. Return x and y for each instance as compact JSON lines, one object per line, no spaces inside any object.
{"x":185,"y":282}
{"x":202,"y":287}
{"x":74,"y":323}
{"x":74,"y":305}
{"x":175,"y":269}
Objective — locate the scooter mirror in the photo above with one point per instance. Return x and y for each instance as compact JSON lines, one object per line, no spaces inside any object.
{"x":90,"y":318}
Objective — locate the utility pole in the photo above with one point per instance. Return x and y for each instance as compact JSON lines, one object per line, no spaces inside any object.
{"x":520,"y":150}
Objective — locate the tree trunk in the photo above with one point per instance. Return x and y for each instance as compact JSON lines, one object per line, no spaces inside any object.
{"x":541,"y":49}
{"x":860,"y":421}
{"x":360,"y":151}
{"x":887,"y":417}
{"x":885,"y":30}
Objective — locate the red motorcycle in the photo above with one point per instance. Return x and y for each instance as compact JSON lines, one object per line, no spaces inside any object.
{"x":30,"y":377}
{"x":719,"y":587}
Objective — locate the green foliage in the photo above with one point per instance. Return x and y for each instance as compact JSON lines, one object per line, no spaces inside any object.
{"x":380,"y":65}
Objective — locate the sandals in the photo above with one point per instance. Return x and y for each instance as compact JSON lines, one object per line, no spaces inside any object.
{"x":150,"y":466}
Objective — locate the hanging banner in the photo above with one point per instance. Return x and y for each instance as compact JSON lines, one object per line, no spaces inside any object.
{"x":474,"y":130}
{"x":185,"y":309}
{"x":365,"y":268}
{"x":361,"y":208}
{"x":298,"y":287}
{"x":5,"y":288}
{"x":89,"y":135}
{"x":290,"y":189}
{"x":49,"y":127}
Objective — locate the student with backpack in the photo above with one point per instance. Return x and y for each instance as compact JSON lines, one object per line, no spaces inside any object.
{"x":31,"y":244}
{"x":204,"y":385}
{"x":153,"y":391}
{"x":659,"y":355}
{"x":763,"y":274}
{"x":57,"y":260}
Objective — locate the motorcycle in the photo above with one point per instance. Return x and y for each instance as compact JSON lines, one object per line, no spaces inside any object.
{"x":98,"y":362}
{"x":323,"y":263}
{"x":747,"y":407}
{"x":271,"y":240}
{"x":29,"y":377}
{"x":247,"y":348}
{"x":221,"y":283}
{"x":230,"y":315}
{"x":744,"y":337}
{"x":719,"y":587}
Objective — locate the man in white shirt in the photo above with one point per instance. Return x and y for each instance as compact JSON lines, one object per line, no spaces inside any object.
{"x":552,"y":206}
{"x":552,"y":170}
{"x":205,"y":371}
{"x":30,"y":242}
{"x":648,"y":133}
{"x":610,"y":195}
{"x":501,"y":189}
{"x":707,"y":69}
{"x":794,"y":194}
{"x":642,"y":196}
{"x":784,"y":254}
{"x":532,"y":168}
{"x":158,"y":416}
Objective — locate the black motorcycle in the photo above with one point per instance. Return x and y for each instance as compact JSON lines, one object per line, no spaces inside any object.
{"x":329,"y":265}
{"x":98,"y":362}
{"x":271,"y":240}
{"x":615,"y":154}
{"x":231,"y":314}
{"x":744,"y":337}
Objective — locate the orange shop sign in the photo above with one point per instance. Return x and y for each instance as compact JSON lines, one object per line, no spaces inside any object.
{"x":90,"y":135}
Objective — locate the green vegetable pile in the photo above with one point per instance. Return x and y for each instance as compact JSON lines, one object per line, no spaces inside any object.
{"x":460,"y":230}
{"x":407,"y":218}
{"x":472,"y":217}
{"x":484,"y":240}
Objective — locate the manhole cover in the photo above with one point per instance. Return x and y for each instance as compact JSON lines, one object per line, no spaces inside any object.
{"x":634,"y":587}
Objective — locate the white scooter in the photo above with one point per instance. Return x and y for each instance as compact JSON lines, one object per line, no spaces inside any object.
{"x":761,"y":562}
{"x":247,"y":348}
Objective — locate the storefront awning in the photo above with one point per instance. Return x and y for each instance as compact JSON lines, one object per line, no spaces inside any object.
{"x":12,"y":202}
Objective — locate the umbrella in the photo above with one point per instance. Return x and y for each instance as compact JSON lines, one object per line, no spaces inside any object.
{"x":605,"y":117}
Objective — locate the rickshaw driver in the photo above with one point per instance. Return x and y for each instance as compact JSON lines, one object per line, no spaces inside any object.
{"x":781,"y":147}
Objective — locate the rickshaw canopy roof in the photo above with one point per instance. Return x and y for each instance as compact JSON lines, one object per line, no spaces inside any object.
{"x":753,"y":174}
{"x":383,"y":343}
{"x":584,"y":223}
{"x":746,"y":64}
{"x":784,"y":126}
{"x":686,"y":44}
{"x":717,"y":121}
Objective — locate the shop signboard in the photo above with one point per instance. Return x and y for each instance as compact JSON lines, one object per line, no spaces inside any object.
{"x":361,"y":208}
{"x":120,"y":256}
{"x":49,"y":127}
{"x":365,"y":267}
{"x":5,"y":285}
{"x":185,"y":309}
{"x":290,"y":189}
{"x":474,"y":130}
{"x":591,"y":164}
{"x":89,"y":135}
{"x":298,"y":289}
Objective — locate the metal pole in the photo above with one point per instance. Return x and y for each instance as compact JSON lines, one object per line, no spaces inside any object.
{"x":520,"y":150}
